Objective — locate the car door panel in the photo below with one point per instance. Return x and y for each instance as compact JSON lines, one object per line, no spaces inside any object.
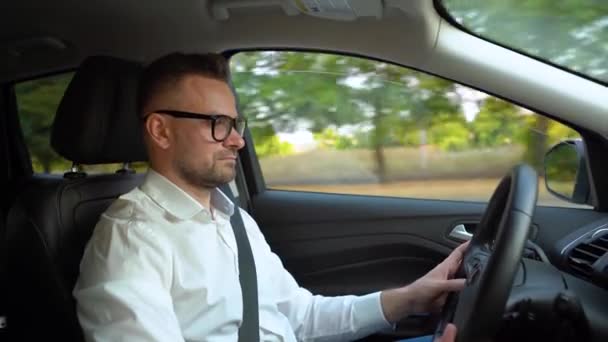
{"x":338,"y":244}
{"x":349,"y":244}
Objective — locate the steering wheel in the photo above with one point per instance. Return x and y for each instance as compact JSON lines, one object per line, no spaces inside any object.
{"x":493,"y":258}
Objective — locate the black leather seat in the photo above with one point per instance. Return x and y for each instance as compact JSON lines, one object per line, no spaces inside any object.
{"x":53,"y":218}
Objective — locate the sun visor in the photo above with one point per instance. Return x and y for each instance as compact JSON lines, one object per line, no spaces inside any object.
{"x":340,"y":9}
{"x":327,"y":9}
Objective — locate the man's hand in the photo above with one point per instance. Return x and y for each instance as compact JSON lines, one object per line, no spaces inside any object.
{"x":449,"y":334}
{"x":428,"y":293}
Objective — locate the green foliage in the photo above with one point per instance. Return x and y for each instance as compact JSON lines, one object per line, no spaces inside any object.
{"x":330,"y":139}
{"x":292,"y":90}
{"x":267,"y":143}
{"x":382,"y":105}
{"x":37,"y":102}
{"x":273,"y":146}
{"x":497,"y":123}
{"x":450,"y":136}
{"x":558,"y":132}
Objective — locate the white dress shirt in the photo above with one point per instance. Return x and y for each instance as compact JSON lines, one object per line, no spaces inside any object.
{"x":161,"y":267}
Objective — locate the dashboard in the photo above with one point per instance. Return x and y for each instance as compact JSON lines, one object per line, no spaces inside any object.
{"x":582,"y":257}
{"x":584,"y":253}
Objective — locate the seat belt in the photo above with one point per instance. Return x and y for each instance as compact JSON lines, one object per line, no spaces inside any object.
{"x":250,"y":327}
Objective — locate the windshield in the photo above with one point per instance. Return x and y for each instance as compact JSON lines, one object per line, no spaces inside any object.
{"x":570,"y":33}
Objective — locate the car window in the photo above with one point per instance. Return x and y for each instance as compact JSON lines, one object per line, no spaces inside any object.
{"x":37,"y":102}
{"x":340,"y":124}
{"x":571,"y":34}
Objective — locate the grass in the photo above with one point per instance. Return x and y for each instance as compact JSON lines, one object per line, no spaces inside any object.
{"x":359,"y":167}
{"x":464,"y":176}
{"x":476,"y":190}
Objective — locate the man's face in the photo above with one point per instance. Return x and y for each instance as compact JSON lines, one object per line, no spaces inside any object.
{"x":197,"y":158}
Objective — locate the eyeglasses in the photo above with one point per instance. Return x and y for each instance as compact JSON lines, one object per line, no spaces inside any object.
{"x":221,"y":125}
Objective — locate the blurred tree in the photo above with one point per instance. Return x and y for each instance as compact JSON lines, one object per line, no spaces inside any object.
{"x":295,"y":90}
{"x":572,"y":33}
{"x":37,"y":101}
{"x":267,"y":143}
{"x":497,"y":123}
{"x":450,"y":136}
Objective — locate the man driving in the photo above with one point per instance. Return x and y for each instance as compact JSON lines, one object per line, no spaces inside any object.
{"x":162,"y":264}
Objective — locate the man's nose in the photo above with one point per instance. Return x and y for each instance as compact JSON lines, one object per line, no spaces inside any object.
{"x":234,"y":140}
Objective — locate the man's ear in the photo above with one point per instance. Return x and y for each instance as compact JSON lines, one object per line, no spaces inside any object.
{"x":158,"y":131}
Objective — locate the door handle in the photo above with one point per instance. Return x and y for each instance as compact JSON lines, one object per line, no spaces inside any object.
{"x":460,"y":233}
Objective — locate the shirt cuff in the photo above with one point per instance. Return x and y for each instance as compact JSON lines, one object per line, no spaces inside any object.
{"x":369,"y":313}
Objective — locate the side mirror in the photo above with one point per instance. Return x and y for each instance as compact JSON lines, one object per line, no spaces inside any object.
{"x":566,"y":172}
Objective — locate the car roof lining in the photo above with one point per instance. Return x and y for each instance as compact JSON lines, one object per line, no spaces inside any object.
{"x":144,"y":35}
{"x":411,"y":33}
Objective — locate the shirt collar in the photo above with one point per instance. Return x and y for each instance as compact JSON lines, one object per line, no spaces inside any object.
{"x":178,"y":202}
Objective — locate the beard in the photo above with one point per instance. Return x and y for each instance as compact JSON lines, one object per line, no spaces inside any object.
{"x":211,"y":176}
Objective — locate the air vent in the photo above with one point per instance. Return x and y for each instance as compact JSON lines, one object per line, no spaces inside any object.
{"x":583,"y":257}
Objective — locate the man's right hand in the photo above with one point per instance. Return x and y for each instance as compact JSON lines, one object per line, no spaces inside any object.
{"x":449,"y":334}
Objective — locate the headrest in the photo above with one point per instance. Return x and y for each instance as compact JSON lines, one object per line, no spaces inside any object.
{"x":97,"y":121}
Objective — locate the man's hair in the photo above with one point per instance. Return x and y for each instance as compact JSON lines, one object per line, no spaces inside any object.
{"x":164,"y":73}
